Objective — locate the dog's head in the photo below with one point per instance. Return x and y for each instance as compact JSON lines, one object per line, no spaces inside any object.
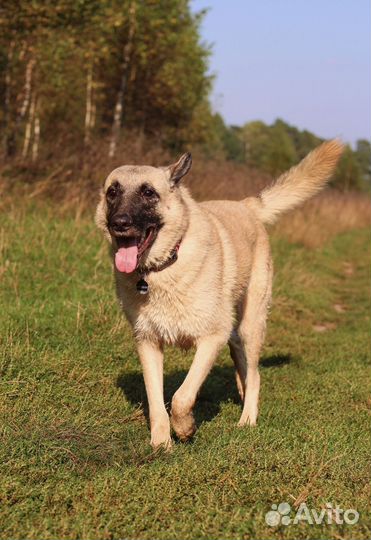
{"x":142,"y":212}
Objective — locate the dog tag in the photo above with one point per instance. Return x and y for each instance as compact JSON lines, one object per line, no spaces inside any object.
{"x":142,"y":286}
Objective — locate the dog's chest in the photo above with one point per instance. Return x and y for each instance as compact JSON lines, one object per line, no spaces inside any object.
{"x":176,"y":317}
{"x":172,"y":314}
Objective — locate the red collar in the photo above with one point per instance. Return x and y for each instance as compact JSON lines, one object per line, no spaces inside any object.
{"x":172,"y":258}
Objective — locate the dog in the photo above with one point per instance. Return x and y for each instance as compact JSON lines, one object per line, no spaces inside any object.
{"x":197,"y":274}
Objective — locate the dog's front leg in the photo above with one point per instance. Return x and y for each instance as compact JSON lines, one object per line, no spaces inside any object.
{"x":185,"y":397}
{"x":151,"y":357}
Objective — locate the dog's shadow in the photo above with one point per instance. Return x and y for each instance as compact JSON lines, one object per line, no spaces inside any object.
{"x":219,"y":387}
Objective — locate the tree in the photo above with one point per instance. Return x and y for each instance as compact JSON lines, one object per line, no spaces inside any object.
{"x":363,"y":157}
{"x":269,"y":148}
{"x":348,"y":174}
{"x":70,"y":68}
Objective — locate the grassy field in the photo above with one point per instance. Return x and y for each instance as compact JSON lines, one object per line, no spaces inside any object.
{"x":74,"y":453}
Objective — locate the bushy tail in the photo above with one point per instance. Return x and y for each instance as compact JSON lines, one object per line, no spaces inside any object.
{"x":297,"y":184}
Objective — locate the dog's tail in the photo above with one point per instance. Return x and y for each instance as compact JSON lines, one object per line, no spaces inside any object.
{"x":297,"y":184}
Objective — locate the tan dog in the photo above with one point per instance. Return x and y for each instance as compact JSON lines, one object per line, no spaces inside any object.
{"x":200,"y":274}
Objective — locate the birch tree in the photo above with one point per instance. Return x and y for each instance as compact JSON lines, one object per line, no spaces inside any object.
{"x":89,"y":104}
{"x":127,"y":51}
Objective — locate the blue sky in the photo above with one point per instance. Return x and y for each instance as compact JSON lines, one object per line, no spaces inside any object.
{"x":305,"y":61}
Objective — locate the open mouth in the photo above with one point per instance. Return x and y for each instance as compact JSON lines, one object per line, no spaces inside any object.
{"x":131,"y":248}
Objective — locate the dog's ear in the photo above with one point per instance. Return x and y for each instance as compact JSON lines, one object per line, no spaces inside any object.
{"x":180,"y":168}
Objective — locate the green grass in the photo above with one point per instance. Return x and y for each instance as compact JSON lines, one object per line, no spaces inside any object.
{"x":74,"y":454}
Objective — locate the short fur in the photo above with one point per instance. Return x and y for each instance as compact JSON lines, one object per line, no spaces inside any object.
{"x":219,"y":289}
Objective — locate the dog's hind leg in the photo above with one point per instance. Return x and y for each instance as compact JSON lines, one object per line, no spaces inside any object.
{"x":252,"y":327}
{"x":237,"y":352}
{"x":151,"y":357}
{"x":185,"y":397}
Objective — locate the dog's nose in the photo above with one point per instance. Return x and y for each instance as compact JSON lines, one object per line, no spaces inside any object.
{"x":121,"y":223}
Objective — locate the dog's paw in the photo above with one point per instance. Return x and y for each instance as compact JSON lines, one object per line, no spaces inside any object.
{"x":166,"y":446}
{"x":184,"y":426}
{"x":181,"y":416}
{"x":161,"y":438}
{"x":247,"y":420}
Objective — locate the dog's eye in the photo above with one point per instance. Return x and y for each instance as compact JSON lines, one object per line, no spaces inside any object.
{"x":111,"y":192}
{"x":148,"y":192}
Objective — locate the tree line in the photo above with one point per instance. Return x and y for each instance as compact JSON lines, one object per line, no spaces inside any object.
{"x":74,"y":73}
{"x":87,"y":68}
{"x":274,"y":148}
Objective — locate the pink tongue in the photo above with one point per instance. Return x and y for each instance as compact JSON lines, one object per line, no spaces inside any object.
{"x":126,"y":259}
